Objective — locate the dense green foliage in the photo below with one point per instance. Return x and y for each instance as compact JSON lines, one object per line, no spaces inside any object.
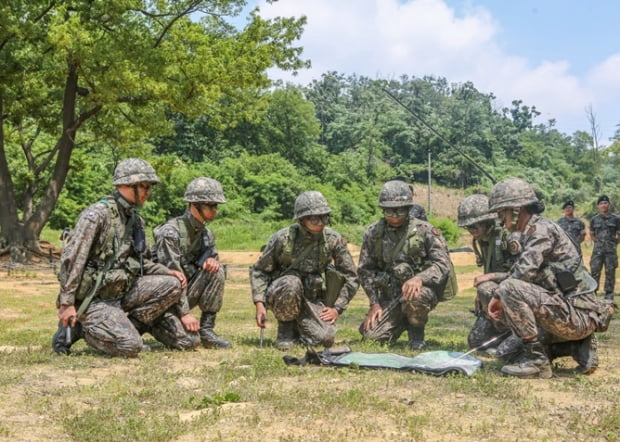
{"x":192,"y":97}
{"x":345,"y":136}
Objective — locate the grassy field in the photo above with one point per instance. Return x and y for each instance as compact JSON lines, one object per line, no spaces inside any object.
{"x":248,"y":393}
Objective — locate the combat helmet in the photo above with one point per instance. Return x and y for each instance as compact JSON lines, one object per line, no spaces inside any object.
{"x":395,"y":194}
{"x":511,"y":193}
{"x":474,"y":209}
{"x":133,"y":171}
{"x":204,"y":190}
{"x":311,"y":203}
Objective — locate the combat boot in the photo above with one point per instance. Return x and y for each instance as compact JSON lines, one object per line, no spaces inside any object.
{"x":533,"y":365}
{"x":416,"y":338}
{"x":208,"y":337}
{"x":609,"y":296}
{"x":584,"y":352}
{"x":510,"y":349}
{"x":64,"y":339}
{"x":286,"y":335}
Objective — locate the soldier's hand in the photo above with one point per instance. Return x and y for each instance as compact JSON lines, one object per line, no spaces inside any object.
{"x":67,"y":315}
{"x":496,"y":309}
{"x":190,"y":323}
{"x":411,"y":288}
{"x":180,"y":276}
{"x":261,"y":315}
{"x":329,"y":314}
{"x":373,"y":316}
{"x":211,"y":265}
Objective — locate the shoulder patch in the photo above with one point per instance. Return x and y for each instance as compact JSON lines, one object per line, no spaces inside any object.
{"x":531,"y":230}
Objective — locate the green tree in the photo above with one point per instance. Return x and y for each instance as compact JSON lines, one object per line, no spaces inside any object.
{"x":79,"y":72}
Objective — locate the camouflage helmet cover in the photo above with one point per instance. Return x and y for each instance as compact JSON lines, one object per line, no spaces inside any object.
{"x":395,"y":194}
{"x":511,"y":193}
{"x":204,"y":190}
{"x":474,"y":209}
{"x":311,"y":203}
{"x":133,"y":171}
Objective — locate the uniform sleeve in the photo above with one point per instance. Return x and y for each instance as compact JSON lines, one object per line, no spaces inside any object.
{"x":368,"y":267}
{"x":76,"y":253}
{"x":343,"y":261}
{"x":532,"y":257}
{"x":211,"y":244}
{"x":267,"y":264}
{"x":167,"y":244}
{"x":437,"y":250}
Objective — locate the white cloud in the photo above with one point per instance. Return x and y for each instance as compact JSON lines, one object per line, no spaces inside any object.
{"x":388,"y":38}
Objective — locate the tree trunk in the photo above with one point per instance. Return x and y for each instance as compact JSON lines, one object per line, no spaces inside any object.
{"x":21,"y":236}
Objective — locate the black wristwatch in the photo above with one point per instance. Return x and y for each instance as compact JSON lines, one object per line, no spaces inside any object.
{"x":339,"y":310}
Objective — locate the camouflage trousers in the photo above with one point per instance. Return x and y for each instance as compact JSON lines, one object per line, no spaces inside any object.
{"x":528,"y":306}
{"x":610,"y":261}
{"x":205,"y":290}
{"x":398,"y":315}
{"x":107,"y":324}
{"x":285,"y":298}
{"x":485,"y":328}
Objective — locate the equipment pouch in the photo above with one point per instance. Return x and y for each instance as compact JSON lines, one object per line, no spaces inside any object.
{"x":114,"y":283}
{"x":403,"y":272}
{"x":566,"y":281}
{"x":313,"y":286}
{"x":88,"y":280}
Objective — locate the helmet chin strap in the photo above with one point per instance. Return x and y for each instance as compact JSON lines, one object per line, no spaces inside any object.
{"x":199,"y":211}
{"x":136,"y":196}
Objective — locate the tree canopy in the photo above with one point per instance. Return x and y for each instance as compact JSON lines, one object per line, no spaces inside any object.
{"x":105,"y":73}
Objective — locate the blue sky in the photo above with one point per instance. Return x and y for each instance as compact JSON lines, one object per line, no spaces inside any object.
{"x":560,"y":56}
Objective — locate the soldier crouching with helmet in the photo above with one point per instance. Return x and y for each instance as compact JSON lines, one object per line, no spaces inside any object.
{"x":547,"y":287}
{"x":490,"y":245}
{"x":108,"y":287}
{"x":404,"y":267}
{"x":305,"y":276}
{"x":186,"y":245}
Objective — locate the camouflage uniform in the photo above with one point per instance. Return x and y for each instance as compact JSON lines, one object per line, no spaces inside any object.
{"x":605,"y":252}
{"x":124,"y":298}
{"x":180,"y":244}
{"x":531,"y":296}
{"x":575,"y":228}
{"x":491,"y":250}
{"x":295,"y":290}
{"x":424,"y":254}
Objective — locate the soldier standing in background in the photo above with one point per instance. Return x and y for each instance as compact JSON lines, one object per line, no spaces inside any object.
{"x":572,"y":225}
{"x":305,"y":275}
{"x":404,"y":267}
{"x":185,"y":244}
{"x":108,"y":287}
{"x":604,"y":231}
